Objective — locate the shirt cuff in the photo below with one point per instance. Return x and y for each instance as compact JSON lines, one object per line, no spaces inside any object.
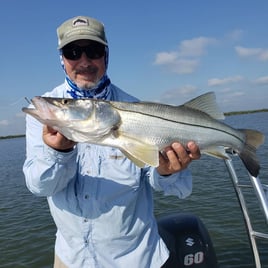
{"x":178,"y":184}
{"x":52,"y":155}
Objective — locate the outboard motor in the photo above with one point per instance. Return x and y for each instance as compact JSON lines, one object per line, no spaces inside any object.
{"x":188,"y":241}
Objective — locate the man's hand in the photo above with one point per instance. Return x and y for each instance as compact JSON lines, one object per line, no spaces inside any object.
{"x":176,"y":157}
{"x":56,"y":140}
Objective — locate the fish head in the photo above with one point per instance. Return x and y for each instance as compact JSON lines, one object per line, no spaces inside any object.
{"x":46,"y":109}
{"x":77,"y":119}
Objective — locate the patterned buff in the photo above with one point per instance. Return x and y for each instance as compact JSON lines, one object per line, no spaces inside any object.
{"x":100,"y":91}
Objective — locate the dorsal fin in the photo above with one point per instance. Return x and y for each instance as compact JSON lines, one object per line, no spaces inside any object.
{"x":206,"y":103}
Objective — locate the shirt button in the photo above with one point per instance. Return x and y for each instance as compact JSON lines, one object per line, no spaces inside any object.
{"x":86,"y":196}
{"x":85,"y":220}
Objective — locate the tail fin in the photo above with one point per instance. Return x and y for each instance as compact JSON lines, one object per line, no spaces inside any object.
{"x":248,"y":155}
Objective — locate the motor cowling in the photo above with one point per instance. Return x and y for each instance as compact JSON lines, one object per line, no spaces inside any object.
{"x":188,"y":241}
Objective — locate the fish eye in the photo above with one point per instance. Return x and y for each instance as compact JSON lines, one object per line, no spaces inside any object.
{"x":65,"y":101}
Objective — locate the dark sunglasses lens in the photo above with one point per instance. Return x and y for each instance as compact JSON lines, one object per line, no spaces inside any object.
{"x":93,"y":51}
{"x":72,"y":53}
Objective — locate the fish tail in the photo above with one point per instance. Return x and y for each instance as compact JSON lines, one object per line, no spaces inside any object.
{"x":253,"y":139}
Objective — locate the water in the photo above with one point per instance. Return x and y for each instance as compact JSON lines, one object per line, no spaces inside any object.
{"x":26,"y":229}
{"x":27,"y":232}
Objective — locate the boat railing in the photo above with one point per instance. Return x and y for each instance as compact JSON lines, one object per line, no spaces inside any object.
{"x":261,"y":192}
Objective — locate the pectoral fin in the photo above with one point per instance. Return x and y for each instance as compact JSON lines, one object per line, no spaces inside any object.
{"x":138,"y":152}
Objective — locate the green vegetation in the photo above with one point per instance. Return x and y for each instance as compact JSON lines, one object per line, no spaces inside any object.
{"x":246,"y":112}
{"x":12,"y":136}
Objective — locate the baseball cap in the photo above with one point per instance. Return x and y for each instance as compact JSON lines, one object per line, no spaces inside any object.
{"x":80,"y":27}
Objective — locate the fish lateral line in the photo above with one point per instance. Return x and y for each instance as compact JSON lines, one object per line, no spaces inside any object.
{"x":184,"y":123}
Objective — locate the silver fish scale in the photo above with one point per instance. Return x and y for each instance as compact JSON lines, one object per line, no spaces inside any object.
{"x":157,"y":130}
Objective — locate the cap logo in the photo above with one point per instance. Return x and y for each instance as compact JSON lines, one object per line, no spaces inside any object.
{"x":80,"y":21}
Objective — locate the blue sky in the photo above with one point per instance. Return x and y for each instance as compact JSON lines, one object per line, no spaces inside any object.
{"x":168,"y":51}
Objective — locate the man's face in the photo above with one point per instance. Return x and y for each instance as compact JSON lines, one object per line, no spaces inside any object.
{"x":85,"y":71}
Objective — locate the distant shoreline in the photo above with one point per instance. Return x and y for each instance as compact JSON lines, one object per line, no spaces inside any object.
{"x":226,"y":114}
{"x":12,"y":136}
{"x":246,"y":112}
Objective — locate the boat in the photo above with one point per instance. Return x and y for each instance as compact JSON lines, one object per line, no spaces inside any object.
{"x":188,"y":239}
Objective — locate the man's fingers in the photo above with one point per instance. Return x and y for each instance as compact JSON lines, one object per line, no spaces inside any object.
{"x":194,"y":151}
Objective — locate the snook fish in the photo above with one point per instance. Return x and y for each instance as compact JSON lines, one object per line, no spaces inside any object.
{"x":142,"y":129}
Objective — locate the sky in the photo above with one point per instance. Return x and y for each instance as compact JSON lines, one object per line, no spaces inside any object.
{"x":165,"y":51}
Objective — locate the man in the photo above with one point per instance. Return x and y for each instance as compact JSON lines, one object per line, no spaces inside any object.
{"x":100,"y":201}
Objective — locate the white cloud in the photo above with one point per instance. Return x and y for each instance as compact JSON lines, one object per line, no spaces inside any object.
{"x":234,"y":35}
{"x":224,"y":81}
{"x":184,"y":66}
{"x":195,"y":47}
{"x":165,"y":58}
{"x":4,"y":123}
{"x":237,"y":94}
{"x":258,"y":53}
{"x":13,"y":126}
{"x":185,"y":60}
{"x":247,"y":52}
{"x":180,"y":93}
{"x":262,"y":80}
{"x":20,"y":115}
{"x":188,"y":89}
{"x":229,"y":99}
{"x":226,"y":90}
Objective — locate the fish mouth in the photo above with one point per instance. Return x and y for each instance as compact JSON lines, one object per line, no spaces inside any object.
{"x":38,"y":108}
{"x":35,"y":101}
{"x":32,"y":108}
{"x":38,"y":103}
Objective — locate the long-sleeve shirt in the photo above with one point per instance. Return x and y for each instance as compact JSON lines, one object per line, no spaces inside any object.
{"x":101,"y":202}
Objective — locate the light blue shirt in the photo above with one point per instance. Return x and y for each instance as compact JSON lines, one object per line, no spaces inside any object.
{"x":100,"y":201}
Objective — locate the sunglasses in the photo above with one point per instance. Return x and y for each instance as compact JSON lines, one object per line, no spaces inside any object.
{"x":93,"y":51}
